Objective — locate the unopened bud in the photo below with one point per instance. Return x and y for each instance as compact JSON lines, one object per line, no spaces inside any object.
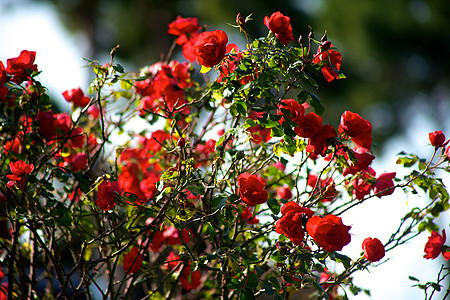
{"x":240,"y":21}
{"x":311,"y":33}
{"x":300,"y":40}
{"x":239,"y":155}
{"x":325,"y":45}
{"x":181,"y":142}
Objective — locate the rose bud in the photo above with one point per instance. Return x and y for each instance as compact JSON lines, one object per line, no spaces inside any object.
{"x":181,"y":142}
{"x":373,"y":249}
{"x":240,"y":21}
{"x":325,"y":45}
{"x":437,"y":138}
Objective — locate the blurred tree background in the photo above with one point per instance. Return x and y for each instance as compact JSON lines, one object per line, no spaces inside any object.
{"x":395,"y":52}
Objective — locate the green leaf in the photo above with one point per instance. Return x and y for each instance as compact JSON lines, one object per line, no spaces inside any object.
{"x":303,"y":96}
{"x":268,"y":288}
{"x":218,"y":202}
{"x":241,"y":108}
{"x":252,"y":281}
{"x":345,"y":260}
{"x":220,"y":141}
{"x":249,"y":123}
{"x":125,"y":84}
{"x":278,"y":257}
{"x":118,"y":68}
{"x":274,"y":206}
{"x":247,"y":294}
{"x":315,"y":102}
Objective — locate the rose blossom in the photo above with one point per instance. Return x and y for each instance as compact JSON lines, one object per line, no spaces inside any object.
{"x":329,"y":232}
{"x":434,"y":246}
{"x":373,"y":249}
{"x":3,"y":76}
{"x":183,"y":26}
{"x":291,"y":224}
{"x":281,"y":26}
{"x":437,"y":138}
{"x":325,"y":57}
{"x":172,"y":261}
{"x":251,"y":189}
{"x":295,"y":109}
{"x":210,"y":47}
{"x":19,"y":170}
{"x":77,"y":97}
{"x":359,"y":129}
{"x":106,"y":194}
{"x":385,"y":184}
{"x":18,"y":66}
{"x":309,"y":125}
{"x":195,"y":278}
{"x":284,"y":192}
{"x":132,"y":261}
{"x":248,"y":216}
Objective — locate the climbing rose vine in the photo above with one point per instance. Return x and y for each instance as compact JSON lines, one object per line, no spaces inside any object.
{"x":227,"y":182}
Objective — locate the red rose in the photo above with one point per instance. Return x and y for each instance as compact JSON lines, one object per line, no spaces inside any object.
{"x":328,"y":277}
{"x":281,"y":26}
{"x":79,"y":162}
{"x":331,"y":60}
{"x":251,"y":189}
{"x":132,"y":261}
{"x":434,"y":246}
{"x":317,"y":144}
{"x":155,"y":142}
{"x":172,"y":236}
{"x":329,"y":232}
{"x":362,"y":184}
{"x":148,"y":186}
{"x":94,"y":111}
{"x":129,"y":180}
{"x":17,"y":66}
{"x":46,"y":124}
{"x":385,"y":184}
{"x":363,"y":161}
{"x":447,"y":152}
{"x":172,"y":261}
{"x":106,"y":195}
{"x":325,"y":188}
{"x":291,"y":224}
{"x":76,"y":96}
{"x":259,"y":134}
{"x":248,"y":217}
{"x":19,"y":170}
{"x":3,"y":75}
{"x":195,"y":278}
{"x":437,"y":138}
{"x":309,"y":125}
{"x":183,"y":26}
{"x":357,"y":128}
{"x":294,"y":109}
{"x":284,"y":192}
{"x":210,"y":47}
{"x":157,"y":241}
{"x":373,"y":249}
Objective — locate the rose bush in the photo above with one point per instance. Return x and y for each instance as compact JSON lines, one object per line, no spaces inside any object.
{"x":232,"y":187}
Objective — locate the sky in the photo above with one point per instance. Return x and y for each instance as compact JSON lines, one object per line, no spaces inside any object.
{"x":59,"y":55}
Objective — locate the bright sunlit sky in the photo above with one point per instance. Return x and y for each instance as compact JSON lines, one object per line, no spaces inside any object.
{"x":37,"y":28}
